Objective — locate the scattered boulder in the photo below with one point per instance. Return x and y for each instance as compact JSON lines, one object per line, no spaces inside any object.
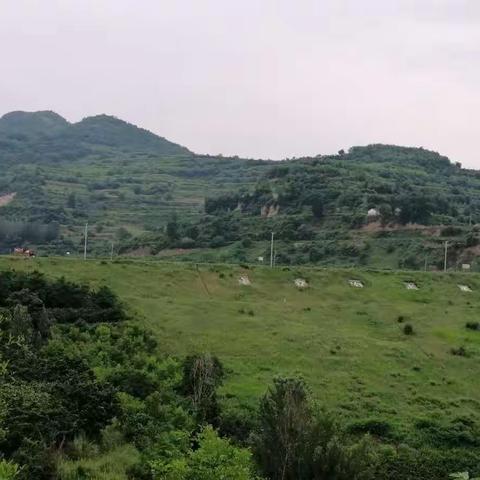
{"x":411,"y":286}
{"x":244,"y":280}
{"x":301,"y":283}
{"x":355,"y":283}
{"x":464,"y":288}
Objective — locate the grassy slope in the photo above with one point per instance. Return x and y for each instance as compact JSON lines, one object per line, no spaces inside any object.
{"x":347,"y":342}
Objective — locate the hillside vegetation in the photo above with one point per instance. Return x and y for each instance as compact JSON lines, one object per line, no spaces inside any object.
{"x":398,"y":363}
{"x":380,"y":205}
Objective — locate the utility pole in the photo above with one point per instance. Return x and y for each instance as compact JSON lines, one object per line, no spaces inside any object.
{"x":111,"y":253}
{"x":85,"y":244}
{"x":271,"y":252}
{"x":426,"y":258}
{"x":445,"y":260}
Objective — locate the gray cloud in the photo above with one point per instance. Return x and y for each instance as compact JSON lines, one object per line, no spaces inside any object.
{"x":269,"y":78}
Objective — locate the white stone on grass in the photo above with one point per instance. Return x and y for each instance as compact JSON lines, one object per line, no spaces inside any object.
{"x":244,"y":280}
{"x":301,"y":283}
{"x":464,"y":288}
{"x":355,"y":283}
{"x":411,"y":286}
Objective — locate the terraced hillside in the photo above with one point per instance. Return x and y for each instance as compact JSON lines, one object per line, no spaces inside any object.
{"x":349,"y":343}
{"x":381,"y":206}
{"x":121,"y":179}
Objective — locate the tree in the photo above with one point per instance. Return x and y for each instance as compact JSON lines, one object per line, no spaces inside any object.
{"x":317,"y":206}
{"x":214,"y":459}
{"x":71,"y":200}
{"x":172,"y":228}
{"x":328,"y":454}
{"x":294,"y":443}
{"x":202,"y":374}
{"x":285,"y":415}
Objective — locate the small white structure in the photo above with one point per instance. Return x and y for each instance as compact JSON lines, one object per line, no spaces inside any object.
{"x":465,"y":266}
{"x":411,"y":286}
{"x":244,"y":280}
{"x":464,"y":288}
{"x":301,"y":283}
{"x":260,"y":259}
{"x":373,"y":213}
{"x":355,"y":283}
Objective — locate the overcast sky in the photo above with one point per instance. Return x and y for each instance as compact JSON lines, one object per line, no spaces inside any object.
{"x":256,"y":78}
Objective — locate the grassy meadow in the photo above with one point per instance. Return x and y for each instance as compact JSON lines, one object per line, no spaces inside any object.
{"x":347,"y":342}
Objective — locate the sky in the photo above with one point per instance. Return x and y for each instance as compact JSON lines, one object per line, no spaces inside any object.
{"x":255,"y":78}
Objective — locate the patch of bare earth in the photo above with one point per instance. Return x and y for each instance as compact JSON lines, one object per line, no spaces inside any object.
{"x":6,"y":199}
{"x":374,"y":227}
{"x":140,"y":252}
{"x":172,"y":252}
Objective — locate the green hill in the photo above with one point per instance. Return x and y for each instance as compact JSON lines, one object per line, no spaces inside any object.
{"x":379,"y":205}
{"x":29,"y":124}
{"x":348,"y":342}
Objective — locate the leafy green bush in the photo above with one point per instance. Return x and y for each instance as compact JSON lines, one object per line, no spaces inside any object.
{"x":408,"y":329}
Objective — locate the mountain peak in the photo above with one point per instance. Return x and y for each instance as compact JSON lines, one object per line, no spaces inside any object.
{"x":32,"y":123}
{"x":97,"y":130}
{"x":111,"y":131}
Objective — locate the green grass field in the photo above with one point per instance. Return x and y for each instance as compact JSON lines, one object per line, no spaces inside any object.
{"x":347,"y":342}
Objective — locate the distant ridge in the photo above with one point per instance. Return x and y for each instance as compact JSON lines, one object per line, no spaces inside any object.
{"x":99,"y":130}
{"x":32,"y":123}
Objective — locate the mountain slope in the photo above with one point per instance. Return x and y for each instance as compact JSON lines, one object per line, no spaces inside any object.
{"x":46,"y":136}
{"x":103,"y":170}
{"x":379,"y":205}
{"x":349,"y":343}
{"x":46,"y":123}
{"x":109,"y":131}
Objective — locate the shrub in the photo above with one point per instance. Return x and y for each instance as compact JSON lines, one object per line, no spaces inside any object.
{"x":408,"y":329}
{"x":8,"y":470}
{"x":238,"y":423}
{"x":460,"y":352}
{"x":377,"y":427}
{"x":473,"y":325}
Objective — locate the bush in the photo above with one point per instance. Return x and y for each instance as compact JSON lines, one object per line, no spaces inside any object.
{"x":379,"y":428}
{"x":408,"y":329}
{"x":473,"y":325}
{"x":8,"y":470}
{"x":459,"y":352}
{"x":405,"y":463}
{"x":238,"y":424}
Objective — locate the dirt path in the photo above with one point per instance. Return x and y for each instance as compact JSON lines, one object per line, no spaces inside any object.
{"x":6,"y":199}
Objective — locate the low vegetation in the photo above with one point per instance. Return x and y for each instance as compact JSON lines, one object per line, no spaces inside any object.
{"x":156,"y":387}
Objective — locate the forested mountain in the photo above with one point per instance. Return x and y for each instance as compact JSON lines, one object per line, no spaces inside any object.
{"x":43,"y":137}
{"x":378,"y":205}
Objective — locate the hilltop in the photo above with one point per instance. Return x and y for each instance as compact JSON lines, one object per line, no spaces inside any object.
{"x":42,"y":136}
